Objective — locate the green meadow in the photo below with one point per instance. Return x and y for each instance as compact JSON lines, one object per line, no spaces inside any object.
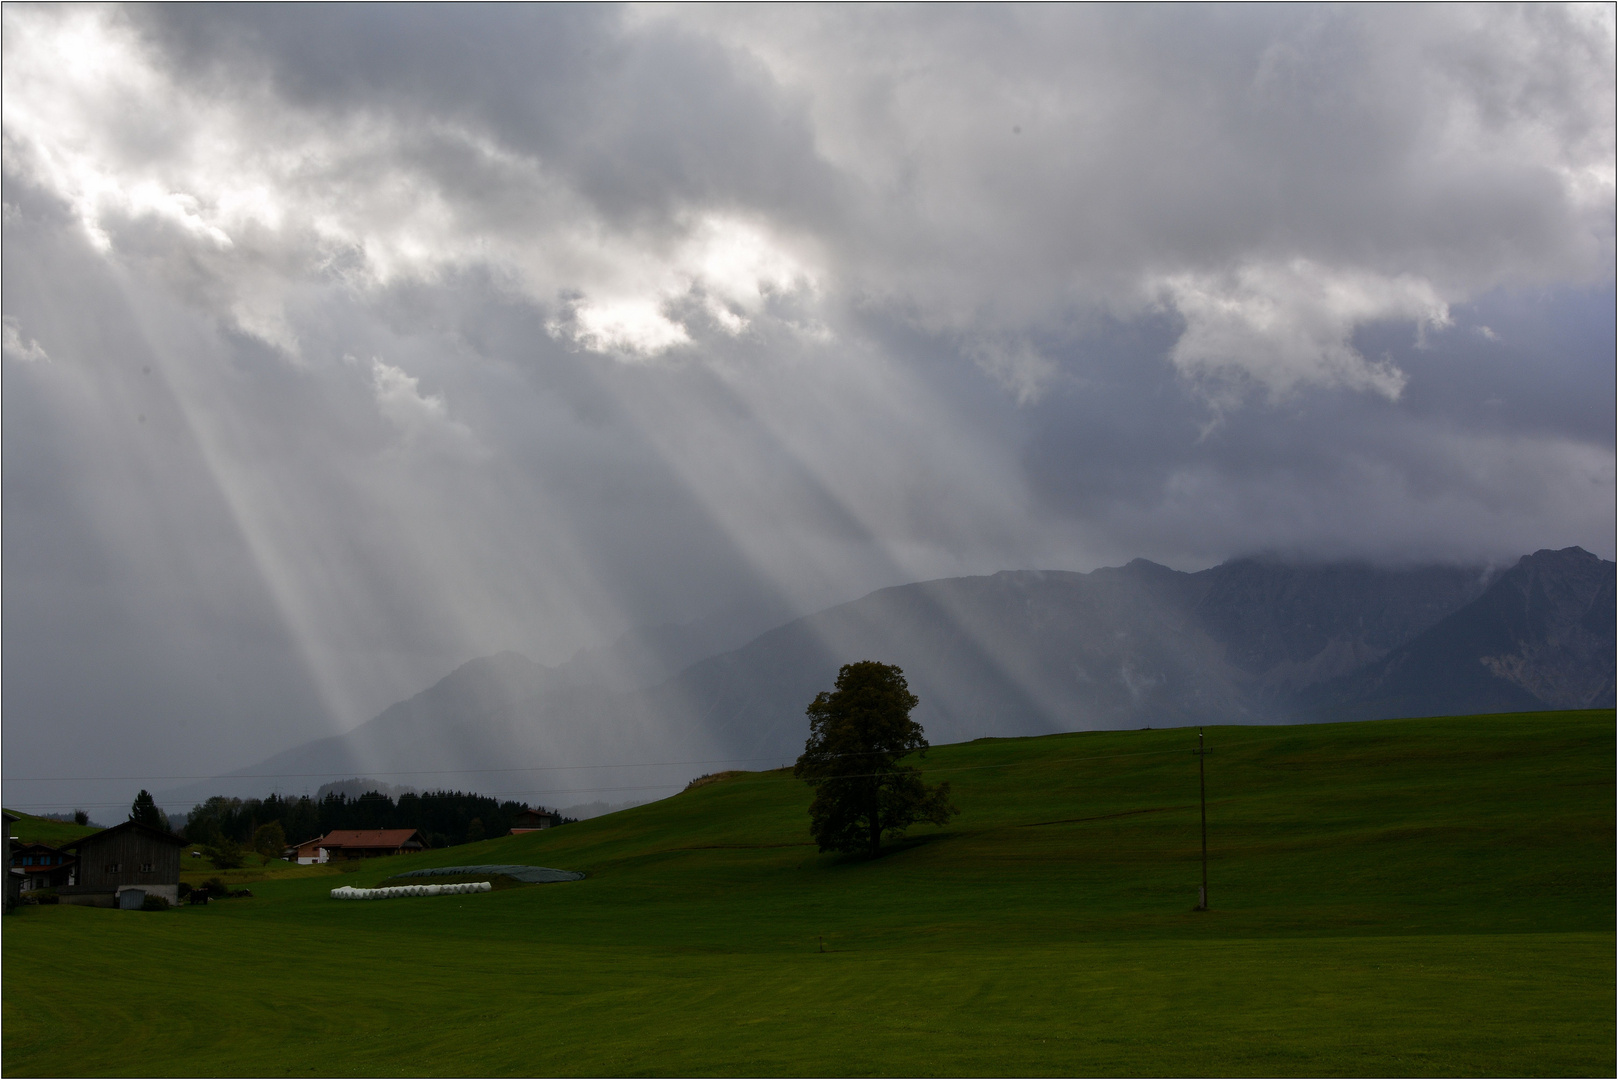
{"x":36,"y":830}
{"x":1413,"y":897}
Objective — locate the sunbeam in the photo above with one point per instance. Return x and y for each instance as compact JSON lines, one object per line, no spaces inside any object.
{"x":403,"y":389}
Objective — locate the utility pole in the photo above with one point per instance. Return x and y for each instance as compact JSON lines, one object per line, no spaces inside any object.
{"x":1202,"y":784}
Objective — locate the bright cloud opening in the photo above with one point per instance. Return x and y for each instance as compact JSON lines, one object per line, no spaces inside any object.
{"x":1290,"y":325}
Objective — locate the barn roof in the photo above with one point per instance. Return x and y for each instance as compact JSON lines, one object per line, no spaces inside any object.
{"x":371,"y":838}
{"x":144,"y":830}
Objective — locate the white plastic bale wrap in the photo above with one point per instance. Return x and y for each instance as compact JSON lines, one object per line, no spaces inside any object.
{"x":348,"y":892}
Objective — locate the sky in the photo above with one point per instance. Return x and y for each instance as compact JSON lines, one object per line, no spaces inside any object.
{"x":345,"y":344}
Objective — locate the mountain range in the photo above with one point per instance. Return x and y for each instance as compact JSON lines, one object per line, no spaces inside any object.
{"x":1253,"y":640}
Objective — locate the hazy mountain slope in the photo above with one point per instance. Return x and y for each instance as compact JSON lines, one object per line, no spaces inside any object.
{"x":1015,"y":653}
{"x":1541,"y":636}
{"x":648,"y":655}
{"x":500,"y":724}
{"x":461,"y":721}
{"x":1020,"y":653}
{"x":1293,"y":626}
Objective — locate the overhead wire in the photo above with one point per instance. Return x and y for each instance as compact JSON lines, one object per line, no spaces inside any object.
{"x":1072,"y":759}
{"x":376,"y":773}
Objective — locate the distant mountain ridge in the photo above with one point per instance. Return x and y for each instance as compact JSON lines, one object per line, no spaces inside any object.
{"x":1540,"y":637}
{"x":1019,"y":653}
{"x":1030,"y":652}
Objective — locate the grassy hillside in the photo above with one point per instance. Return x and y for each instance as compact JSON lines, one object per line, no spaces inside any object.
{"x":1398,"y":897}
{"x":38,"y":830}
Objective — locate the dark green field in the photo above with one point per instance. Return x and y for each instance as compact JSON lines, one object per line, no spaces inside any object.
{"x":1422,"y":897}
{"x":30,"y":829}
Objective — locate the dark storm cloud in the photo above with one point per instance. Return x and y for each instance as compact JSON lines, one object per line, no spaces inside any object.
{"x":344,"y":343}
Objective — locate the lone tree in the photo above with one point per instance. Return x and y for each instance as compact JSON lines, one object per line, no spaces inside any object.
{"x":144,"y":811}
{"x":857,"y":734}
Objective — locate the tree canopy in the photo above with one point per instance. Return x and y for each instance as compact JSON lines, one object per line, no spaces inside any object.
{"x":270,"y":840}
{"x":144,"y":811}
{"x":858,"y":732}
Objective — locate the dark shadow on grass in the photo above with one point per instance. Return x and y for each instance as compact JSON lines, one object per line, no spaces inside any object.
{"x":1105,"y":817}
{"x":742,"y":847}
{"x":889,"y":849}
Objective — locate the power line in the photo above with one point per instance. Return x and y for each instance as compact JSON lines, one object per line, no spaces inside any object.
{"x":1074,"y":760}
{"x":372,"y":774}
{"x":488,"y":794}
{"x":665,"y":787}
{"x":1202,"y":786}
{"x":378,"y":773}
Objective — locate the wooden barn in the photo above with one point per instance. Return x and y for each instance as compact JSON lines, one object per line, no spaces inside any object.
{"x":123,"y":858}
{"x":531,"y":821}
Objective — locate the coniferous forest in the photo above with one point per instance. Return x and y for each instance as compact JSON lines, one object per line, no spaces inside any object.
{"x":445,"y":818}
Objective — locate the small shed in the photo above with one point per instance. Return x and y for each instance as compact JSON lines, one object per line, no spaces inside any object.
{"x":531,"y":821}
{"x":127,"y":856}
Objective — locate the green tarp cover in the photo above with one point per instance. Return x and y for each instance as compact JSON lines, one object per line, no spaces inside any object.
{"x":536,"y":874}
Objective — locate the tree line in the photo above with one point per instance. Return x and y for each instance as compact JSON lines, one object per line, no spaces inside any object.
{"x":269,"y":825}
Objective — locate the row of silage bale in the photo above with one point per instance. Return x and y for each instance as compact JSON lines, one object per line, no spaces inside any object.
{"x":348,"y":892}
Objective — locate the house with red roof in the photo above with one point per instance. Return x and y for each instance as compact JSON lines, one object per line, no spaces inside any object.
{"x":341,"y":845}
{"x":307,"y":853}
{"x":42,"y":866}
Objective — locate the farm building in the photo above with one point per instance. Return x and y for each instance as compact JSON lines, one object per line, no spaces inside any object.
{"x":42,"y":866}
{"x":125,"y":857}
{"x":13,"y":875}
{"x":307,"y":853}
{"x":344,"y":844}
{"x":531,"y":821}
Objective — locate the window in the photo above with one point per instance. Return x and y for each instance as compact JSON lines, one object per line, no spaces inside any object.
{"x":28,"y":860}
{"x":147,"y":868}
{"x":112,"y":868}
